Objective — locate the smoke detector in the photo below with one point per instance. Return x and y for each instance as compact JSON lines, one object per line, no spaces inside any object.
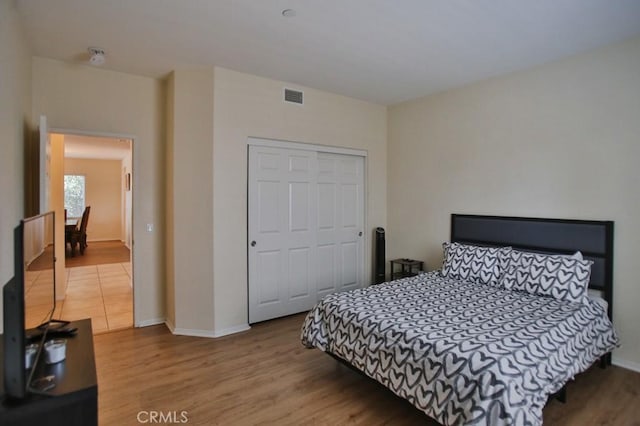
{"x":97,"y":56}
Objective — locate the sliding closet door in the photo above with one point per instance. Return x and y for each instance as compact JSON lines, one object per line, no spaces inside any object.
{"x":340,"y":223}
{"x":306,"y":220}
{"x":282,"y":237}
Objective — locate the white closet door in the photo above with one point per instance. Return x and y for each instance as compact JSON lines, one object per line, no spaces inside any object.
{"x":282,"y":237}
{"x":340,"y":223}
{"x":306,"y":220}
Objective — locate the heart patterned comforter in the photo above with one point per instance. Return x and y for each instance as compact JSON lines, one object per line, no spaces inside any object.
{"x":463,"y":353}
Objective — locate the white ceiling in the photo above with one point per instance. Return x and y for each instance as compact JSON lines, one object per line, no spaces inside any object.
{"x":76,"y":146}
{"x":382,"y":51}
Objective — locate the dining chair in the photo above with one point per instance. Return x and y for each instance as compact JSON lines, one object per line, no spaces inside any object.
{"x":79,"y":236}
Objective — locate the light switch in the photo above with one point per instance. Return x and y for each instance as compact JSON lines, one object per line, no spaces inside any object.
{"x":149,"y":227}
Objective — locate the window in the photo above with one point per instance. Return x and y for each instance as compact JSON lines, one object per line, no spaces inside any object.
{"x":74,"y":195}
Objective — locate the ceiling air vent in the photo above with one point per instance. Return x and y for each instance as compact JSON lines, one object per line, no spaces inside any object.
{"x":293,"y":96}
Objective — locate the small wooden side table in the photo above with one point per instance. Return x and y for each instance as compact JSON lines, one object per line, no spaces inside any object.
{"x":408,"y":268}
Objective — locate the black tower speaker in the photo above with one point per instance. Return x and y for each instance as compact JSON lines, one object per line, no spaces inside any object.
{"x":380,"y":256}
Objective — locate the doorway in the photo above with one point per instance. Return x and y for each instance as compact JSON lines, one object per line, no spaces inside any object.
{"x":306,"y":222}
{"x":98,"y":201}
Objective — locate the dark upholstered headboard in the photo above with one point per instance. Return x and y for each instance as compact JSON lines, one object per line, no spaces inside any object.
{"x":556,"y":236}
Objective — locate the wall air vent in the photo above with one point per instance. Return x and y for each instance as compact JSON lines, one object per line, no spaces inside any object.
{"x":294,"y":96}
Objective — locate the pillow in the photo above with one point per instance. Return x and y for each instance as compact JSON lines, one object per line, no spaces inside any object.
{"x":484,"y":265}
{"x":561,"y":277}
{"x":577,"y":255}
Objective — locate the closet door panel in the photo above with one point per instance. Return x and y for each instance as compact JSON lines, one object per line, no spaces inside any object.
{"x":347,"y":174}
{"x":306,"y":219}
{"x":282,"y":238}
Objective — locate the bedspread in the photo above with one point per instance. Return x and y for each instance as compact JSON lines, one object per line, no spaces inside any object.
{"x":463,"y":353}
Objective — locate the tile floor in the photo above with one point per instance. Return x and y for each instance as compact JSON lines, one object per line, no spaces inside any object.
{"x":102,"y":293}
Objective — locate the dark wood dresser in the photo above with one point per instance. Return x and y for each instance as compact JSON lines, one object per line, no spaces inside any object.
{"x":74,"y":399}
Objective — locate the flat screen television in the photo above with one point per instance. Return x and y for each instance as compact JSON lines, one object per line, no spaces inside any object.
{"x":29,"y":300}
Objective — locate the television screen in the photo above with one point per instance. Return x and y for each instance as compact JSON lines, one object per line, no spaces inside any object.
{"x":39,"y":270}
{"x":28,"y":300}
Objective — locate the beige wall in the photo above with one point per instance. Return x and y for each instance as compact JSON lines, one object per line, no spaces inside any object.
{"x":190,"y":203}
{"x":103,"y":192}
{"x":560,"y":140}
{"x":15,"y":119}
{"x":82,"y":98}
{"x":246,"y":105}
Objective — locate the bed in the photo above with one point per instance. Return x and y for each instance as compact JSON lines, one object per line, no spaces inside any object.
{"x":487,"y":344}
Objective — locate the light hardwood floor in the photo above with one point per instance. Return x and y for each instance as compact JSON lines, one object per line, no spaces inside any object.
{"x":266,"y":377}
{"x":99,"y":253}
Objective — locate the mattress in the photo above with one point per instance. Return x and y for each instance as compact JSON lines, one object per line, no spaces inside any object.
{"x":463,"y":353}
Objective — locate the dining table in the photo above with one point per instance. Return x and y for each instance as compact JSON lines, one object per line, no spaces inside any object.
{"x":70,"y":224}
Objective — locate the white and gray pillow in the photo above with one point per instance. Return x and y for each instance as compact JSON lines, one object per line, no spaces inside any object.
{"x":561,"y":277}
{"x":484,"y":265}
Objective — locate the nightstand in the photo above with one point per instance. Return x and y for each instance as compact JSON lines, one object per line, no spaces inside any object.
{"x":408,"y":268}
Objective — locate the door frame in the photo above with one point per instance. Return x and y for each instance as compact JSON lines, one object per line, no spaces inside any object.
{"x":279,"y":143}
{"x":132,"y":138}
{"x":276,"y":143}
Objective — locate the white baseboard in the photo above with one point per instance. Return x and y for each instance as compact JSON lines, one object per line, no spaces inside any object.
{"x":231,"y":330}
{"x":629,"y":365}
{"x":149,"y":322}
{"x":188,"y":331}
{"x":206,"y":333}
